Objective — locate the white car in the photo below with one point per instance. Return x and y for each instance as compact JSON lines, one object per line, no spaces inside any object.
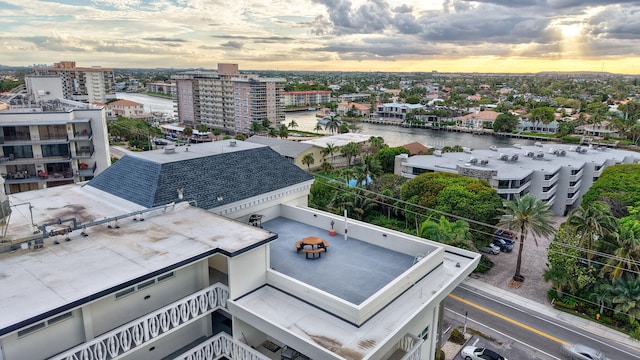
{"x":478,"y":353}
{"x":582,"y":352}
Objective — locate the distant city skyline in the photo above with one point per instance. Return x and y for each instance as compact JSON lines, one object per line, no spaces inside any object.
{"x":495,"y":36}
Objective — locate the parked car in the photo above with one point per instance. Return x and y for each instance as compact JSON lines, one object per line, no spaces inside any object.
{"x":160,"y":142}
{"x":582,"y":352}
{"x":490,"y":249}
{"x":506,"y":246}
{"x":478,"y":353}
{"x":505,"y":235}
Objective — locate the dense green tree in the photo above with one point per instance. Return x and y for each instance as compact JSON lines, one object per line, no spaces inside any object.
{"x":543,"y":114}
{"x":452,"y":193}
{"x":564,"y":269}
{"x":526,"y":215}
{"x":387,"y":157}
{"x":370,"y":167}
{"x":618,"y":186}
{"x":505,"y":122}
{"x":256,"y":127}
{"x":450,"y":233}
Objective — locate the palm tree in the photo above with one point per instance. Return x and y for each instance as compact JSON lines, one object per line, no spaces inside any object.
{"x":333,"y":124}
{"x":592,"y":222}
{"x":330,"y":150}
{"x":370,"y":166}
{"x":627,"y":297}
{"x":273,"y":132}
{"x":293,"y":124}
{"x":450,"y":233}
{"x":256,"y":127}
{"x":187,"y":132}
{"x":627,"y":251}
{"x":308,"y":160}
{"x":317,"y":128}
{"x":602,"y":295}
{"x":283,"y":131}
{"x":350,"y":151}
{"x":560,"y":279}
{"x":526,"y":215}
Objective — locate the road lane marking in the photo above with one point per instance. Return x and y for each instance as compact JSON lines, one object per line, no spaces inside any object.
{"x":507,"y":319}
{"x":536,"y":350}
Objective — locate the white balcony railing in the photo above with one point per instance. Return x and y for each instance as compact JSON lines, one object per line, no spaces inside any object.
{"x":412,"y":345}
{"x":137,"y":333}
{"x":222,"y":346}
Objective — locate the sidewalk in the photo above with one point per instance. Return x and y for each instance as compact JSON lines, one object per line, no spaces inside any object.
{"x":550,"y":311}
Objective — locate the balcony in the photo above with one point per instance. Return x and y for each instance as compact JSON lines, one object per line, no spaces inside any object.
{"x":126,"y":339}
{"x":552,"y":180}
{"x":571,"y":198}
{"x":576,"y":175}
{"x":82,"y":135}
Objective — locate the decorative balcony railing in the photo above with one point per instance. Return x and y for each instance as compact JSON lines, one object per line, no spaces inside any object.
{"x":222,"y":346}
{"x":137,"y":333}
{"x":412,"y":345}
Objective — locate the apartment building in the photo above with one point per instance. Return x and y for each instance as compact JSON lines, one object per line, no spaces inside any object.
{"x":306,"y":98}
{"x":50,"y":144}
{"x":86,"y":84}
{"x":162,"y":88}
{"x":227,"y":100}
{"x":197,"y":259}
{"x":557,"y":174}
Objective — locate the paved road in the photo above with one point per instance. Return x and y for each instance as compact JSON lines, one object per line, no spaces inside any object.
{"x":517,"y":332}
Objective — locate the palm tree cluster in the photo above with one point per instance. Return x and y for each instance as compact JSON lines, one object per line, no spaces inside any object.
{"x":595,"y":262}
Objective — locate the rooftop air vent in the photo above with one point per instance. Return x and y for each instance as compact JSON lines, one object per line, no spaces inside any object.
{"x":232,"y":143}
{"x":537,"y":143}
{"x":514,"y":157}
{"x":170,"y":149}
{"x":467,"y":150}
{"x":530,"y":154}
{"x":504,"y":157}
{"x":437,"y":153}
{"x":473,"y":160}
{"x":540,"y":155}
{"x":579,"y":149}
{"x":484,"y":162}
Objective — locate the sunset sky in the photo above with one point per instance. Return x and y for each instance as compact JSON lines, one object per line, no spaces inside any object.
{"x":347,"y":35}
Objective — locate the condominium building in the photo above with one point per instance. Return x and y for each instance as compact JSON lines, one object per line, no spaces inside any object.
{"x":141,"y":270}
{"x":228,"y":100}
{"x":162,"y":88}
{"x":305,"y":98}
{"x":395,"y":111}
{"x":557,"y":174}
{"x":52,"y":143}
{"x":94,"y":84}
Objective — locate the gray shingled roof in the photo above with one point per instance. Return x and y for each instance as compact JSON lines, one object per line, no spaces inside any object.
{"x":233,"y":175}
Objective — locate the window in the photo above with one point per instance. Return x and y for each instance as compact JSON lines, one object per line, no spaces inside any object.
{"x":44,"y":324}
{"x":424,"y":334}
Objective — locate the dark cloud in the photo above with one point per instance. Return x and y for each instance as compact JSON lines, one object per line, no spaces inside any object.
{"x":255,"y":39}
{"x":236,"y":45}
{"x":162,"y":39}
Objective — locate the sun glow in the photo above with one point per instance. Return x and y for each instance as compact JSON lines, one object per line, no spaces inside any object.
{"x":571,"y":30}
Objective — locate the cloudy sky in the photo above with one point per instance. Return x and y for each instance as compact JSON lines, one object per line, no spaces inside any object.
{"x":349,"y":35}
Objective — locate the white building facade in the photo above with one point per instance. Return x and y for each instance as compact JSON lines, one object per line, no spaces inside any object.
{"x":103,"y":277}
{"x":557,"y":174}
{"x":58,"y":142}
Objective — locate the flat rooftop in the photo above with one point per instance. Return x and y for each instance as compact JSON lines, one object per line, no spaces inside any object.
{"x":528,"y":159}
{"x":352,"y":270}
{"x":36,"y":281}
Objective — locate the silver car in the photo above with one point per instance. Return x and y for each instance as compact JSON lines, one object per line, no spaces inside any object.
{"x":490,"y":249}
{"x":478,"y":353}
{"x":582,"y":352}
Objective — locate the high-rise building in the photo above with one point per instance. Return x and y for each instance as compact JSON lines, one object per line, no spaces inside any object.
{"x":94,"y":84}
{"x":227,"y":100}
{"x":47,"y":141}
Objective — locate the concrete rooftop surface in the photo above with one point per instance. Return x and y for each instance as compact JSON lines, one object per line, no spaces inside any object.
{"x":352,"y":270}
